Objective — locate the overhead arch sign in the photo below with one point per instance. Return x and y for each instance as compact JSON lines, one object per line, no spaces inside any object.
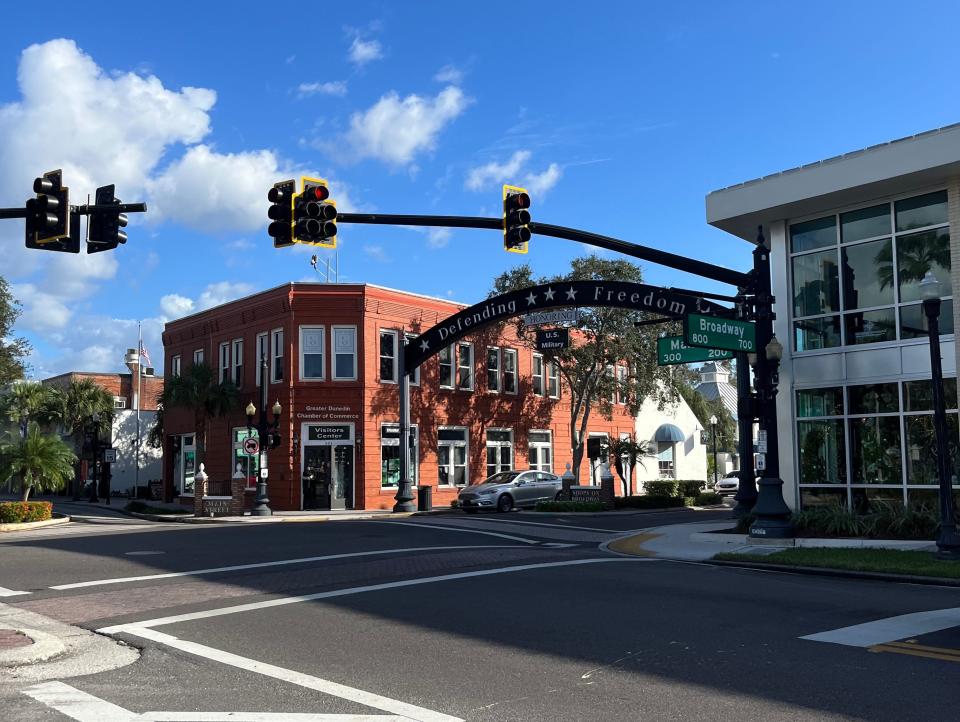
{"x":615,"y":294}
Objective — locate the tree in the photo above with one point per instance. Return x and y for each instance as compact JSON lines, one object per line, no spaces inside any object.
{"x":601,"y":338}
{"x":13,"y":351}
{"x":196,"y":391}
{"x":42,"y":461}
{"x":632,"y":452}
{"x":74,"y":409}
{"x":27,"y":401}
{"x":703,"y":410}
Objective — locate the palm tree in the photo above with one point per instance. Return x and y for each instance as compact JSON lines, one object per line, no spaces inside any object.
{"x":196,"y":391}
{"x":27,"y":401}
{"x":41,"y":461}
{"x":632,"y":452}
{"x":75,"y":408}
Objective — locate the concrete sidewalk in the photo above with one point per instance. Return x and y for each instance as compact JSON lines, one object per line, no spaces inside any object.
{"x":694,"y":542}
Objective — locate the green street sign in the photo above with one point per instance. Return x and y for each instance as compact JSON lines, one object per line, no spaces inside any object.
{"x":714,"y":332}
{"x":672,"y":350}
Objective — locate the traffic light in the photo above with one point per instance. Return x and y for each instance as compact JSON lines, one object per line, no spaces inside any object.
{"x":314,"y":216}
{"x":48,"y":215}
{"x":516,"y":217}
{"x":280,"y":213}
{"x":104,"y":232}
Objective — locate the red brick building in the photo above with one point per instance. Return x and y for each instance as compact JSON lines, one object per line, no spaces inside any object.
{"x":123,"y":387}
{"x":483,"y":405}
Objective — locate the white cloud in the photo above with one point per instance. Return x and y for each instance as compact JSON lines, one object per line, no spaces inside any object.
{"x":539,"y":183}
{"x":363,"y":51}
{"x":217,"y":294}
{"x":493,"y":172}
{"x":376,"y":253}
{"x":438,"y":237}
{"x":174,"y":305}
{"x":330,"y":87}
{"x":514,"y":170}
{"x":394,"y":130}
{"x":41,"y":310}
{"x":449,"y":74}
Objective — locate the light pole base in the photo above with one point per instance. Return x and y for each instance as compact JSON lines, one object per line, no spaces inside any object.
{"x":260,"y":504}
{"x":772,"y":513}
{"x":404,"y":499}
{"x":948,"y":545}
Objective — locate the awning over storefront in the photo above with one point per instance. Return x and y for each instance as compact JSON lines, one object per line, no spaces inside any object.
{"x":669,"y":433}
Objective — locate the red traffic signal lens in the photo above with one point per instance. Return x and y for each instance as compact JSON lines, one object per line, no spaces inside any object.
{"x":319,"y":193}
{"x":517,"y":201}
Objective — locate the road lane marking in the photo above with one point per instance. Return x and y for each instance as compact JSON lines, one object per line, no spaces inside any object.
{"x":462,"y":530}
{"x":541,"y":523}
{"x":4,"y":592}
{"x":85,"y":707}
{"x":890,"y":629}
{"x":76,"y":704}
{"x":253,"y":606}
{"x":368,"y":699}
{"x":918,"y":650}
{"x":261,"y":565}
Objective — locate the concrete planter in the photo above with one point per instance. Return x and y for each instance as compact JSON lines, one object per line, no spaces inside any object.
{"x":25,"y":525}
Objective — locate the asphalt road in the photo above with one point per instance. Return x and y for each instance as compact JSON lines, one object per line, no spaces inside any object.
{"x":514,"y":617}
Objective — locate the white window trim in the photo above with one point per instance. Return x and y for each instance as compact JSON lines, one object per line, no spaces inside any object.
{"x":407,"y":338}
{"x":198,"y":356}
{"x":395,"y":367}
{"x":534,"y":375}
{"x":323,"y":353}
{"x":333,"y":352}
{"x":472,"y":366}
{"x":466,"y":444}
{"x":237,"y":350}
{"x":516,"y":370}
{"x":551,"y":372}
{"x":453,"y":368}
{"x":224,"y":363}
{"x":499,"y":370}
{"x":498,"y":445}
{"x":119,"y":402}
{"x":175,"y":366}
{"x":274,"y":356}
{"x":263,"y":349}
{"x":541,"y":445}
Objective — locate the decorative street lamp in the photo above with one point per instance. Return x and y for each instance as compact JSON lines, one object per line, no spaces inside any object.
{"x":269,"y":436}
{"x":713,"y":427}
{"x":948,"y":542}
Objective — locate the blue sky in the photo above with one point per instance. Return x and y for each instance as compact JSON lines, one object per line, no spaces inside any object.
{"x":619,"y":116}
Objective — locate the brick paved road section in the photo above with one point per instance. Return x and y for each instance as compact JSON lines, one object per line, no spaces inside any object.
{"x":81,"y":608}
{"x":11,"y":639}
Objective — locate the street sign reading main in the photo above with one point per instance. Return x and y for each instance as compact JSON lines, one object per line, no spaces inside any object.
{"x":672,"y":350}
{"x":722,"y":333}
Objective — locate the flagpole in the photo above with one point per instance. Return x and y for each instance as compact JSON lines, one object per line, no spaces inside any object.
{"x":136,"y":473}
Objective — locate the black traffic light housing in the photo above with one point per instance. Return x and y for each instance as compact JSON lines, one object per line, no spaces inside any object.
{"x":104,"y":232}
{"x":314,"y":215}
{"x":48,"y":215}
{"x":280,"y":213}
{"x":516,"y":218}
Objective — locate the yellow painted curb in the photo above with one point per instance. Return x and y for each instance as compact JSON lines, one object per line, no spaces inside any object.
{"x":633,"y":545}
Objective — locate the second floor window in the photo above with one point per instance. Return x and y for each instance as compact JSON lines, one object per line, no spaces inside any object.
{"x":261,"y":353}
{"x":311,"y":353}
{"x":224,"y":361}
{"x":344,"y":353}
{"x":175,"y":366}
{"x":465,"y":366}
{"x":537,"y":374}
{"x":446,"y":367}
{"x":553,"y":380}
{"x":198,"y":357}
{"x":238,"y":362}
{"x":509,"y":371}
{"x":493,"y":370}
{"x":388,"y":356}
{"x":276,"y":356}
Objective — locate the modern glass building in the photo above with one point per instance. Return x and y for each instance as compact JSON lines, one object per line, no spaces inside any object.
{"x":851,"y":237}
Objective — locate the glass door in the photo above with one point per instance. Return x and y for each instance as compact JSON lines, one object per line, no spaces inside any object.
{"x":342,"y":490}
{"x":317,"y":477}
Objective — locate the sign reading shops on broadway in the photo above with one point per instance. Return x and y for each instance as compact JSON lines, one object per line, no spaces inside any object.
{"x":614,"y":294}
{"x":713,"y":332}
{"x":672,"y":350}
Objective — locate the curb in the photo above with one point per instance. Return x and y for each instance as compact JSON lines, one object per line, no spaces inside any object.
{"x":43,"y":648}
{"x":25,"y":525}
{"x":842,"y":573}
{"x":813,"y":542}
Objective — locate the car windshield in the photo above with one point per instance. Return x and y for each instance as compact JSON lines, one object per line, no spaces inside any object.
{"x":504,"y":477}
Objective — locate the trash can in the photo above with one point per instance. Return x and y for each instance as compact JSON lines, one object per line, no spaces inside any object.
{"x":424,"y":498}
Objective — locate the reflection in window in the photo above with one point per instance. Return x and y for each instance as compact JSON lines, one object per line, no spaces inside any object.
{"x":820,"y":402}
{"x":921,"y":211}
{"x":918,"y":395}
{"x":813,"y":234}
{"x":913,"y":321}
{"x":816,"y":333}
{"x":919,"y":253}
{"x":875,"y":450}
{"x":870,"y":326}
{"x":816,"y":284}
{"x":867,"y":281}
{"x":865,"y":223}
{"x":822,"y":455}
{"x":874,"y":399}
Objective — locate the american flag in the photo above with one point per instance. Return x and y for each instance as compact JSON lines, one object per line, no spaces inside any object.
{"x":145,"y":354}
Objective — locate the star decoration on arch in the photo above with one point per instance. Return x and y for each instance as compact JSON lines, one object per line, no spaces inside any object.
{"x":424,"y":346}
{"x":531,"y":299}
{"x":548,"y":294}
{"x":571,"y":294}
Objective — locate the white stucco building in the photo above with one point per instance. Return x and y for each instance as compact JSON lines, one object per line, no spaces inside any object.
{"x":674,"y":437}
{"x":851,"y":237}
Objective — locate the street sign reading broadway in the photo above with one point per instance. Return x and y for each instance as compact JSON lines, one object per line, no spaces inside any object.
{"x":614,"y":294}
{"x":724,"y":333}
{"x":672,"y":350}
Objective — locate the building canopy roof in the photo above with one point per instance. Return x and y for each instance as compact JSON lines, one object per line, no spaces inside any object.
{"x":669,"y":433}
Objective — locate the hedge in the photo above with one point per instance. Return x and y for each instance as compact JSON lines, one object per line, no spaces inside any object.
{"x":18,"y":512}
{"x":674,"y":487}
{"x":707,"y":498}
{"x":651,"y":501}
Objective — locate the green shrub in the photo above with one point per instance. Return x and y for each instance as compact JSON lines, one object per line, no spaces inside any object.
{"x":649,"y":501}
{"x":829,"y":519}
{"x":691,"y":488}
{"x":707,"y":498}
{"x":573,"y":506}
{"x":891,"y":520}
{"x":18,"y":512}
{"x":663,"y":487}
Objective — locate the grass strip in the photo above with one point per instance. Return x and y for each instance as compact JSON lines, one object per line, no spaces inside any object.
{"x":884,"y":561}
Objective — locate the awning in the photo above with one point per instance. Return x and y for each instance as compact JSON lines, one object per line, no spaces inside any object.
{"x":669,"y":433}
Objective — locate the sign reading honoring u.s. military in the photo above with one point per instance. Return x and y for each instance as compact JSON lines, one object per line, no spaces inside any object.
{"x":672,"y":350}
{"x":724,"y":333}
{"x":611,"y":294}
{"x":553,"y":339}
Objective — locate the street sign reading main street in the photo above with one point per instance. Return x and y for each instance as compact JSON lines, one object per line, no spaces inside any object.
{"x":672,"y":350}
{"x":722,"y":333}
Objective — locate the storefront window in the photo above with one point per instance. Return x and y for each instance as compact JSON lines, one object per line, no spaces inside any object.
{"x":390,"y":455}
{"x":867,"y":275}
{"x":816,"y":284}
{"x":822,"y":456}
{"x":918,"y":253}
{"x":875,"y":450}
{"x":817,"y":333}
{"x":813,"y":234}
{"x":540,"y":451}
{"x":246,"y":464}
{"x":820,"y":402}
{"x":452,"y":457}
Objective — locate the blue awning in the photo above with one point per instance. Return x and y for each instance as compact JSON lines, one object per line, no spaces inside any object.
{"x":669,"y":433}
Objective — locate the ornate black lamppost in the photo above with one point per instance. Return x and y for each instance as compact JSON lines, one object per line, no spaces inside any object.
{"x":948,"y":542}
{"x":95,"y":419}
{"x":713,"y":428}
{"x":269,"y":437}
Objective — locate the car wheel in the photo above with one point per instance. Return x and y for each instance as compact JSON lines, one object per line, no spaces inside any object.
{"x":505,"y":503}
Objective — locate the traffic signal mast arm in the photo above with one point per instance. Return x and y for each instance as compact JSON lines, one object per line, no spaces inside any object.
{"x":653,"y":255}
{"x":84,"y":210}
